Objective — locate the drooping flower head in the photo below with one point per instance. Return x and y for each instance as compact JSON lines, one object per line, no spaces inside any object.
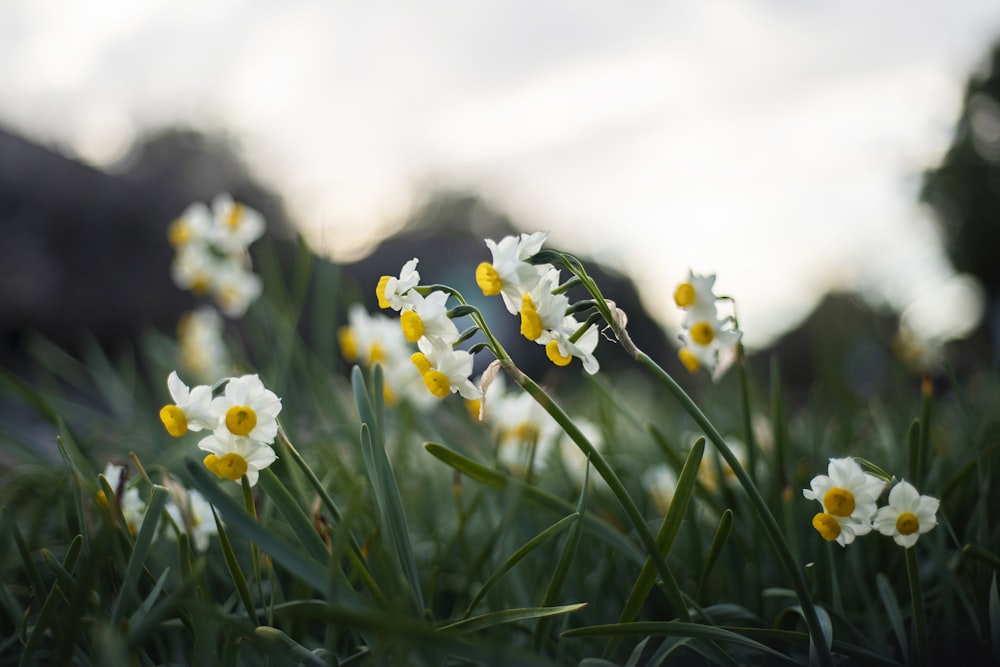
{"x":392,"y":291}
{"x":247,"y":409}
{"x":848,"y":495}
{"x":191,"y":409}
{"x":445,"y":369}
{"x":541,"y":309}
{"x":560,"y":346}
{"x":510,"y":274}
{"x":907,"y":516}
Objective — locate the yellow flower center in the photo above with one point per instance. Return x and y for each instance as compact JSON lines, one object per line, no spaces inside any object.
{"x":380,"y":291}
{"x":389,"y":396}
{"x":240,"y":419}
{"x":230,"y":466}
{"x":413,"y":326}
{"x":472,"y":406}
{"x":689,"y":360}
{"x":555,"y":356}
{"x":235,"y":216}
{"x":437,"y":383}
{"x":201,"y":284}
{"x":174,"y":420}
{"x":827,"y":526}
{"x":684,"y":295}
{"x":839,"y":502}
{"x":488,"y":279}
{"x":375,"y":354}
{"x":907,"y":523}
{"x":421,"y":361}
{"x":178,"y":233}
{"x":702,"y":333}
{"x":531,"y":322}
{"x":348,"y":342}
{"x":526,"y":432}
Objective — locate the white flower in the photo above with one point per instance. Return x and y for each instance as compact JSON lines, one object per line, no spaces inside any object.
{"x":191,"y":409}
{"x":392,"y":291}
{"x":133,"y":509}
{"x":192,"y":514}
{"x":848,"y":496}
{"x":232,"y":456}
{"x":660,"y":481}
{"x":445,"y":370}
{"x":541,"y":310}
{"x":696,"y":297}
{"x":236,"y":225}
{"x":708,"y":345}
{"x":194,"y":226}
{"x":202,"y":349}
{"x":194,"y":268}
{"x":560,"y":349}
{"x":428,"y":317}
{"x":510,"y":274}
{"x":907,"y":516}
{"x":235,"y":288}
{"x":247,"y":408}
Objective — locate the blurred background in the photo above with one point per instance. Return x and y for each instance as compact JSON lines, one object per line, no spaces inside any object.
{"x":833,"y":163}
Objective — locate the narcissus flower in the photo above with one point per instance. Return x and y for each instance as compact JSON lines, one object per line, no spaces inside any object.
{"x":560,"y":348}
{"x":247,"y":409}
{"x":907,"y":516}
{"x":236,"y":225}
{"x":510,"y":274}
{"x":193,"y":515}
{"x":706,"y":344}
{"x":203,"y":352}
{"x":848,"y":496}
{"x":428,"y":317}
{"x":445,"y":369}
{"x":235,"y":288}
{"x":194,"y":226}
{"x":696,"y":298}
{"x":542,"y":310}
{"x":392,"y":291}
{"x":232,"y":456}
{"x":191,"y":409}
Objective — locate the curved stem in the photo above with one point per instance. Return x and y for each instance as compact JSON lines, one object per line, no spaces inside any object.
{"x":917,"y":600}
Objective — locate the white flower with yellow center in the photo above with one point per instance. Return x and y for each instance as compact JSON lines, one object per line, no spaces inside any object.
{"x":191,"y":409}
{"x":235,"y":288}
{"x":194,"y":226}
{"x":696,"y":298}
{"x":232,"y":456}
{"x":706,"y":344}
{"x":427,"y":317}
{"x":510,"y":274}
{"x":660,"y":481}
{"x":370,"y":339}
{"x":202,"y":349}
{"x":560,"y":348}
{"x":195,"y":268}
{"x":847,"y":494}
{"x":907,"y":516}
{"x":445,"y":370}
{"x":193,"y":515}
{"x":392,"y":291}
{"x":542,"y":310}
{"x":247,"y":409}
{"x":235,"y":226}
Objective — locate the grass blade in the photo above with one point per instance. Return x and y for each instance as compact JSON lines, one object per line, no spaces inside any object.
{"x":137,"y":559}
{"x":491,"y":619}
{"x":235,"y":573}
{"x":895,"y":614}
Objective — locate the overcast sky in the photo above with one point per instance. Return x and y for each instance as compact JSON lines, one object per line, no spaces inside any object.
{"x":776,"y":143}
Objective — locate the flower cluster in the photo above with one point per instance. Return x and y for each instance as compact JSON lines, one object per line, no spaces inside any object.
{"x":849,"y":497}
{"x":211,"y":253}
{"x":188,"y":510}
{"x":534,"y":292}
{"x":707,"y":341}
{"x":243,"y":422}
{"x":425,"y":319}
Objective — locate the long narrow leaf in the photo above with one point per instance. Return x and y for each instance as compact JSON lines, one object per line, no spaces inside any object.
{"x":491,"y":619}
{"x":892,"y":609}
{"x":718,"y":541}
{"x":47,"y":614}
{"x":300,"y":524}
{"x":137,"y":559}
{"x":235,"y":573}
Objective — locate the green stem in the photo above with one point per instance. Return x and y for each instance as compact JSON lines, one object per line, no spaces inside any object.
{"x":611,"y":478}
{"x":917,"y":599}
{"x":251,"y":508}
{"x":764,"y":514}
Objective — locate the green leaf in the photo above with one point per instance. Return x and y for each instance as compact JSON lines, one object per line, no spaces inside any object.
{"x":300,"y":524}
{"x":520,"y":554}
{"x":137,"y":559}
{"x":718,"y":542}
{"x":895,"y":615}
{"x":47,"y":614}
{"x":233,"y":566}
{"x":491,"y":619}
{"x":994,"y":611}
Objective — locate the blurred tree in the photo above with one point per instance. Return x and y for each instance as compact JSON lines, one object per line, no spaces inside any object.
{"x":964,"y":190}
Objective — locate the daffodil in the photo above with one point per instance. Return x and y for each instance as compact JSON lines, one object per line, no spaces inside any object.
{"x":247,"y":409}
{"x":236,"y":225}
{"x":445,"y":370}
{"x":707,"y":344}
{"x":427,"y":317}
{"x":232,"y":456}
{"x":848,"y":495}
{"x":560,"y":347}
{"x":907,"y":516}
{"x":192,"y":514}
{"x":392,"y":291}
{"x":510,"y":274}
{"x":194,"y":226}
{"x":235,"y":288}
{"x":202,"y":349}
{"x":191,"y":409}
{"x":696,"y":298}
{"x":194,"y":268}
{"x":542,"y":310}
